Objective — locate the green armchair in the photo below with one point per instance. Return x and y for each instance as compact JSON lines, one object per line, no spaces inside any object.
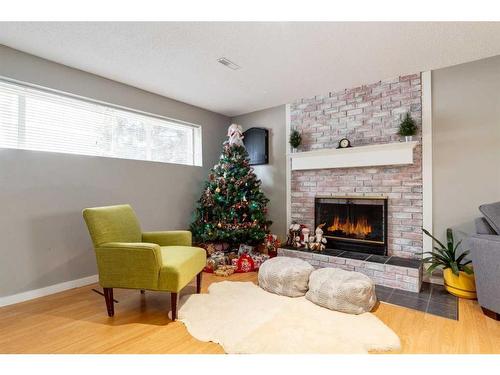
{"x":132,"y":259}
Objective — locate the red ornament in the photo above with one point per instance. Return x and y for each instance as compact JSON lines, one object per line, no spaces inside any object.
{"x":244,"y":264}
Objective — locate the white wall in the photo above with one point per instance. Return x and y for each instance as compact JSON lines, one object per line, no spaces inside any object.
{"x":466,"y":142}
{"x":273,"y":175}
{"x":44,"y":240}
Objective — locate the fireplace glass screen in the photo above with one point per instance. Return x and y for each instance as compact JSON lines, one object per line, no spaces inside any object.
{"x":356,"y":224}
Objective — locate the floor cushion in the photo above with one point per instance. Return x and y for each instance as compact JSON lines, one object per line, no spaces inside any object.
{"x":340,"y":290}
{"x":285,"y":276}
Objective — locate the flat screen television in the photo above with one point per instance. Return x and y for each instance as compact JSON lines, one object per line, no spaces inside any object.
{"x":256,"y":142}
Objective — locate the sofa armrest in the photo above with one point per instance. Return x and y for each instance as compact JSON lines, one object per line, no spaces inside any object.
{"x":480,"y":238}
{"x":485,"y":251}
{"x":169,"y":238}
{"x":129,"y":265}
{"x":483,"y":246}
{"x":482,"y":226}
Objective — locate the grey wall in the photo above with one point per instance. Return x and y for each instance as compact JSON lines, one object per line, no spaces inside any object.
{"x":43,"y":238}
{"x":273,"y":175}
{"x":466,"y":142}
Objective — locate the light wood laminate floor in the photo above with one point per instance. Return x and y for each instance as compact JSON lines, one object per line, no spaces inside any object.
{"x":75,"y":321}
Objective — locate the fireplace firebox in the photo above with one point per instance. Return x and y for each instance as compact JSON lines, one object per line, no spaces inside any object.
{"x":353,"y":223}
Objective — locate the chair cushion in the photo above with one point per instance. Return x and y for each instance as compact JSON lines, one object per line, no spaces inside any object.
{"x":340,"y":290}
{"x":285,"y":276}
{"x":491,"y":212}
{"x":112,"y":224}
{"x":180,"y":264}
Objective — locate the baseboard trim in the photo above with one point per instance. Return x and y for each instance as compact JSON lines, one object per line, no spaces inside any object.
{"x":52,"y":289}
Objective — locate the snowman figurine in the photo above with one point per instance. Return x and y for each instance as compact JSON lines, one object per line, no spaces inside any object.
{"x":305,"y":237}
{"x":319,"y":240}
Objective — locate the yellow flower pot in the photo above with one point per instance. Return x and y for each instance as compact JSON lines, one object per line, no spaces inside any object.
{"x":463,"y":285}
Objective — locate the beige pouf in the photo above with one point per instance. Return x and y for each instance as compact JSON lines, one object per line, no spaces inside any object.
{"x":340,"y":290}
{"x":285,"y":276}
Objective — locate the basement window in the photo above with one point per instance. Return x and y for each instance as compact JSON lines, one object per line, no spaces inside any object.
{"x":33,"y":118}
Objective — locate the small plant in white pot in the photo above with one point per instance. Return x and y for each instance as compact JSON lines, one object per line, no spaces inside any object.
{"x":295,"y":140}
{"x":408,"y":128}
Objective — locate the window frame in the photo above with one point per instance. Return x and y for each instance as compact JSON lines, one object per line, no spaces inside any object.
{"x":196,"y":128}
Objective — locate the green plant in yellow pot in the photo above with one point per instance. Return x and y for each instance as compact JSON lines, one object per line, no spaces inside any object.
{"x":458,"y":275}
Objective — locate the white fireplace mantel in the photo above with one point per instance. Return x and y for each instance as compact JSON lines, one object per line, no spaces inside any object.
{"x":397,"y":153}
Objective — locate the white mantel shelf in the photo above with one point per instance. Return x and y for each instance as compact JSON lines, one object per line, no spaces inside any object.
{"x":397,"y":153}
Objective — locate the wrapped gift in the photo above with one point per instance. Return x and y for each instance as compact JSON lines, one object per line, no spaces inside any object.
{"x":225,"y":271}
{"x":244,"y":263}
{"x":210,"y":265}
{"x":258,"y":259}
{"x":219,"y":258}
{"x":216,"y":260}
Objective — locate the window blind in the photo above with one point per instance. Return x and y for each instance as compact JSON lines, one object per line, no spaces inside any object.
{"x":36,"y":119}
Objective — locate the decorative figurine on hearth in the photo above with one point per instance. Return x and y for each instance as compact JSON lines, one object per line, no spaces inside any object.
{"x":294,"y":233}
{"x":306,"y":239}
{"x":319,"y":241}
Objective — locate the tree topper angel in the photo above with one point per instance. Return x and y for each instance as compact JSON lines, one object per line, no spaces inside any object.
{"x":235,"y":134}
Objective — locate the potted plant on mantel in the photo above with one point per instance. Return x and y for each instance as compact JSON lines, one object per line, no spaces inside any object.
{"x":458,"y":275}
{"x":295,"y":140}
{"x":407,"y":128}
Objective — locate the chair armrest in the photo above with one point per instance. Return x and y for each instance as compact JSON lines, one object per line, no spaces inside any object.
{"x":129,"y":265}
{"x":169,"y":238}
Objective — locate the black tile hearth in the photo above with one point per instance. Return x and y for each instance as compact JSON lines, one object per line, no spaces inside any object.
{"x":374,"y":265}
{"x":332,"y":252}
{"x":353,"y":255}
{"x":374,"y":258}
{"x":432,"y":299}
{"x":404,"y":262}
{"x":378,"y":259}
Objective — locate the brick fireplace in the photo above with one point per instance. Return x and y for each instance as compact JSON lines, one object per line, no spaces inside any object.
{"x":366,"y":115}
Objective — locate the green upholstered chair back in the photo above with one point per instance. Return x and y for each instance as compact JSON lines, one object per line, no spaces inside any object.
{"x":112,"y":224}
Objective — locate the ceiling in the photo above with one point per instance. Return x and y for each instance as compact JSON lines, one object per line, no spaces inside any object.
{"x":279,"y":61}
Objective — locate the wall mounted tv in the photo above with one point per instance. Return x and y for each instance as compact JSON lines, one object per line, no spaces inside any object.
{"x":257,"y":144}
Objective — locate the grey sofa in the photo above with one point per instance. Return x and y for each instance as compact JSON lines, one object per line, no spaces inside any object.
{"x":485,"y":252}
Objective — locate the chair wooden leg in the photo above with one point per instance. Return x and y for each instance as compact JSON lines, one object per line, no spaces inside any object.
{"x":173,"y":303}
{"x":108,"y":296}
{"x":198,"y":282}
{"x":143,"y":291}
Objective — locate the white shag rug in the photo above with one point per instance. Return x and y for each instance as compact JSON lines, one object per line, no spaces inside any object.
{"x":243,"y":318}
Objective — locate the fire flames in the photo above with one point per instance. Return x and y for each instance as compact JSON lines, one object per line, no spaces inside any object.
{"x":360,"y":228}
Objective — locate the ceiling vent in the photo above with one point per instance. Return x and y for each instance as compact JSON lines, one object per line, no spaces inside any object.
{"x":229,"y":63}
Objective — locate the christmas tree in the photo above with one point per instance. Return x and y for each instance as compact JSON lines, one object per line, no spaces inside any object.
{"x":232,"y":207}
